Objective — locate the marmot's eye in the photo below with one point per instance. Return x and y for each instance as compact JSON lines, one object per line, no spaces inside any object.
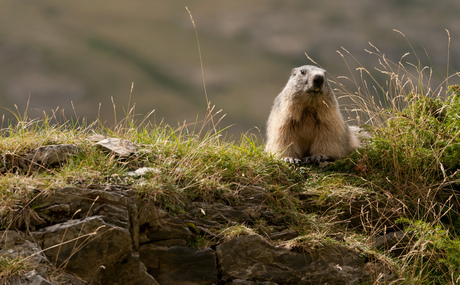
{"x":303,"y":72}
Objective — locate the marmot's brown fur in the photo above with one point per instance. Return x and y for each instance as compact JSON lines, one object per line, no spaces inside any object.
{"x":305,"y":123}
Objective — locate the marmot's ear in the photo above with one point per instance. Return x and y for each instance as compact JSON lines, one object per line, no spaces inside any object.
{"x":294,"y":71}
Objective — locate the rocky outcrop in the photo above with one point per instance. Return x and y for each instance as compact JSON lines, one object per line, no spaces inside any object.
{"x":106,"y":235}
{"x":102,"y":234}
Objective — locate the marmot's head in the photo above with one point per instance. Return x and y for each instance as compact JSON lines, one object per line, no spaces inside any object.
{"x":308,"y":79}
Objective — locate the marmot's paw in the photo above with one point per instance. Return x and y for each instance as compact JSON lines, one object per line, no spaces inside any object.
{"x":315,"y":159}
{"x":292,"y":160}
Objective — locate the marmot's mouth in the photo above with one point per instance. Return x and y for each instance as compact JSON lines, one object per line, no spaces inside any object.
{"x":314,"y":90}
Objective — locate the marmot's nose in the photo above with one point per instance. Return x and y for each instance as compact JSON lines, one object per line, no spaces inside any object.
{"x":318,"y":81}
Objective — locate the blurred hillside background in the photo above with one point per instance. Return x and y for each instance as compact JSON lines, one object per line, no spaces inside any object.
{"x":57,"y":52}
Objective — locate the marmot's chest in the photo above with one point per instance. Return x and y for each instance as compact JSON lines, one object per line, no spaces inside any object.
{"x":311,"y":116}
{"x":306,"y":122}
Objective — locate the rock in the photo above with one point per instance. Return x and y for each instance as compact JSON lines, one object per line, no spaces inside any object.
{"x":130,"y":271}
{"x":111,"y":204}
{"x":52,"y":154}
{"x":164,"y":229}
{"x":179,"y":265}
{"x":273,"y":218}
{"x":96,"y":138}
{"x":198,"y":221}
{"x":121,"y":147}
{"x":171,"y":242}
{"x":85,"y":246}
{"x":93,"y":233}
{"x":285,"y":235}
{"x":143,"y":171}
{"x":106,"y":235}
{"x":41,"y":157}
{"x":33,"y":278}
{"x":158,"y":226}
{"x":252,"y":258}
{"x":16,"y":245}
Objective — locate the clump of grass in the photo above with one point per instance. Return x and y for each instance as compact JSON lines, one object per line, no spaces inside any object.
{"x":205,"y":168}
{"x":420,"y":146}
{"x":11,"y":267}
{"x":413,"y":151}
{"x":433,"y":255}
{"x":236,"y":231}
{"x":412,"y":158}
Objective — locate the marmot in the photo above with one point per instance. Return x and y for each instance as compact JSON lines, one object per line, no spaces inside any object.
{"x":305,"y":123}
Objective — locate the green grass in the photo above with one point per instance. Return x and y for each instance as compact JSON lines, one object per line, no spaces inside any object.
{"x":11,"y":267}
{"x":412,"y":160}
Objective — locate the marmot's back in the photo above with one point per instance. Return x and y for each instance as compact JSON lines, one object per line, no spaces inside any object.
{"x":305,"y":121}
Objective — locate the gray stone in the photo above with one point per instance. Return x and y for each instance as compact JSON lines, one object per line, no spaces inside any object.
{"x":157,"y":225}
{"x":179,"y":265}
{"x":16,"y":245}
{"x":85,"y":246}
{"x":95,"y":138}
{"x":52,"y":154}
{"x":112,"y":205}
{"x":41,"y":157}
{"x":143,"y":171}
{"x":33,"y":278}
{"x":149,"y":215}
{"x":130,"y":271}
{"x":165,"y":228}
{"x":98,"y":244}
{"x":118,"y":146}
{"x":252,"y":258}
